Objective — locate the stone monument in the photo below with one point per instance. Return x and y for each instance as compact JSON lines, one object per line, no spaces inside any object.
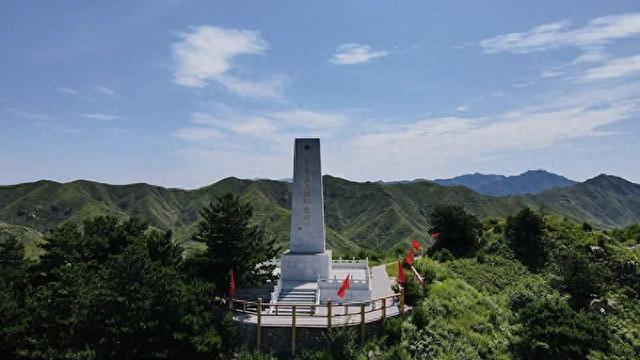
{"x":308,"y":275}
{"x":307,"y":259}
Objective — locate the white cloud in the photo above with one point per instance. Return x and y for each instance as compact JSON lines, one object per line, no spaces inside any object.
{"x":197,"y":134}
{"x":463,"y":108}
{"x":27,"y":114}
{"x":590,"y":56}
{"x":351,"y":54}
{"x":276,"y":127}
{"x":310,"y":119}
{"x":551,"y":73}
{"x":598,"y":31}
{"x":207,"y":54}
{"x":268,"y":88}
{"x":67,"y":90}
{"x":104,"y":90}
{"x":101,"y":117}
{"x":614,"y":69}
{"x":523,"y":84}
{"x":455,"y":139}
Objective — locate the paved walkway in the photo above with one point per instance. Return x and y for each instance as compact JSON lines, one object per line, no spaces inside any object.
{"x":380,"y":282}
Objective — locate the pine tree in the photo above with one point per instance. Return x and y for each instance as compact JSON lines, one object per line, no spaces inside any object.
{"x":233,"y":243}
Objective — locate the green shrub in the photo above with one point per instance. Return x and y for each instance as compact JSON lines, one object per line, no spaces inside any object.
{"x":413,"y":292}
{"x":393,"y":330}
{"x":341,"y":343}
{"x":442,"y":255}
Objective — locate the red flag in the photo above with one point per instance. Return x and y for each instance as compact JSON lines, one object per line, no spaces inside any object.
{"x":416,"y":245}
{"x":232,"y":285}
{"x":401,"y":277}
{"x":435,"y":235}
{"x":345,"y":285}
{"x":409,"y":258}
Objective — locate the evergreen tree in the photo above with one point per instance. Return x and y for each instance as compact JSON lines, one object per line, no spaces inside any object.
{"x":233,"y":243}
{"x":525,"y":238}
{"x":13,"y":292}
{"x":458,"y":231}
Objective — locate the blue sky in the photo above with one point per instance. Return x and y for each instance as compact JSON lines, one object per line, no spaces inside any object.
{"x":186,"y":93}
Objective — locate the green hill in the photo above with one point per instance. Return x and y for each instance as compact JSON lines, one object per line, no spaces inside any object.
{"x":368,"y":215}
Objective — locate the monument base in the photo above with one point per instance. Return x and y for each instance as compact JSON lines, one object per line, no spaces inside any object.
{"x":308,"y":267}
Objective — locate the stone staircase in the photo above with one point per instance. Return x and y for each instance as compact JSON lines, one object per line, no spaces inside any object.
{"x":304,"y":297}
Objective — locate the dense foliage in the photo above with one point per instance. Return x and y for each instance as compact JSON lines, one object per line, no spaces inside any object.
{"x":524,"y":233}
{"x":233,"y":243}
{"x":458,"y":231}
{"x":581,"y":302}
{"x":113,"y":289}
{"x":525,"y":287}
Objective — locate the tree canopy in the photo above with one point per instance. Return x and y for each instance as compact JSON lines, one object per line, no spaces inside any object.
{"x":233,"y":243}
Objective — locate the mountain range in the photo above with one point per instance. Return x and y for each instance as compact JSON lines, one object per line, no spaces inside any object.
{"x":358,"y":215}
{"x":530,"y":182}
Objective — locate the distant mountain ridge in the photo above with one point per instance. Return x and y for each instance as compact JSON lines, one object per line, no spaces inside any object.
{"x":530,"y":182}
{"x":357,"y":214}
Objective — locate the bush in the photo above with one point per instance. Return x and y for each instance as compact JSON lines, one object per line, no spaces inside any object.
{"x":341,"y":343}
{"x":442,"y":255}
{"x":550,"y":329}
{"x":413,"y":292}
{"x":393,"y":330}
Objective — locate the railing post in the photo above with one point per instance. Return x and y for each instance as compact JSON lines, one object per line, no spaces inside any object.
{"x":384,"y":309}
{"x":362,"y":325}
{"x":329,"y":314}
{"x":401,"y":300}
{"x":293,"y":330}
{"x":258,"y":325}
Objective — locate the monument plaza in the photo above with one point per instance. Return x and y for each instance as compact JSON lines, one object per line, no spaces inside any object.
{"x":308,"y":275}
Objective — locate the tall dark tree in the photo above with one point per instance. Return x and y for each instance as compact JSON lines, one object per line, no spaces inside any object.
{"x":458,"y":231}
{"x":13,"y":292}
{"x":525,"y":237}
{"x":233,"y":243}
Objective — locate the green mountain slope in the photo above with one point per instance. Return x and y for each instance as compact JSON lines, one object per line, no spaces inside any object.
{"x":369,"y":215}
{"x":30,"y":238}
{"x":605,"y":201}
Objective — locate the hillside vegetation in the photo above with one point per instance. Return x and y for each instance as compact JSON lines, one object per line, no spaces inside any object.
{"x":531,"y":286}
{"x":357,"y":215}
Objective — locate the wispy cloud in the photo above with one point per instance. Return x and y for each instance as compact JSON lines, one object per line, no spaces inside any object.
{"x":104,"y":90}
{"x":205,"y":55}
{"x":548,"y":36}
{"x":27,"y":114}
{"x":310,"y":119}
{"x":67,"y":90}
{"x":271,"y":126}
{"x":614,"y":69}
{"x":197,"y":134}
{"x":351,"y":54}
{"x":472,"y":139}
{"x":101,"y":117}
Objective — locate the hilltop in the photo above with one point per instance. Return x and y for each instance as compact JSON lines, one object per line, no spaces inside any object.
{"x":530,"y":182}
{"x":358,"y":214}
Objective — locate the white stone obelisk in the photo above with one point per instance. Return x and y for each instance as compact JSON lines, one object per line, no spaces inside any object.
{"x":307,"y":205}
{"x":307,"y":260}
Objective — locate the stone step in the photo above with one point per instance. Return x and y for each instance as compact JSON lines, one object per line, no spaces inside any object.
{"x":302,"y":310}
{"x":298,"y":295}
